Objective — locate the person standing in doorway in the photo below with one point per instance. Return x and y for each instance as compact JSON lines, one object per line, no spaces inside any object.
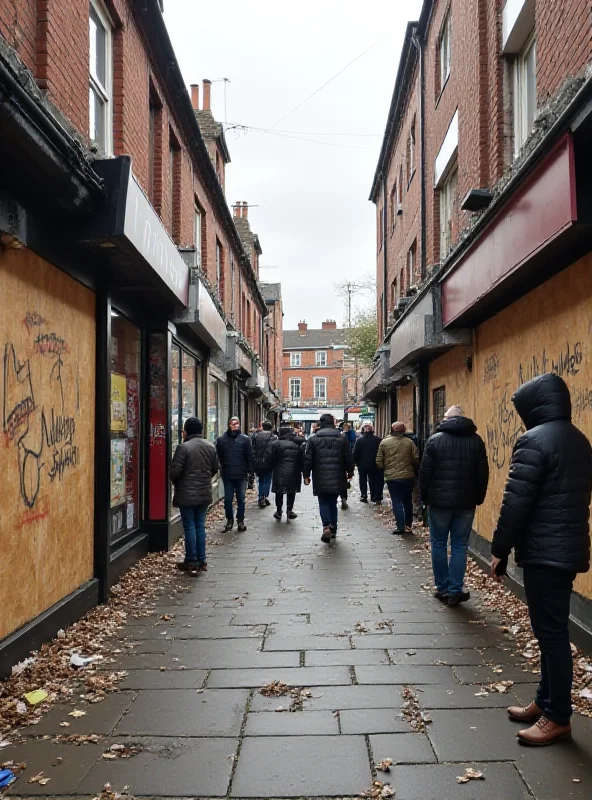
{"x":328,"y":458}
{"x":194,"y":465}
{"x":262,"y":441}
{"x":365,"y":452}
{"x":236,"y":462}
{"x":286,"y":458}
{"x":544,"y":518}
{"x":399,"y":458}
{"x":453,"y":480}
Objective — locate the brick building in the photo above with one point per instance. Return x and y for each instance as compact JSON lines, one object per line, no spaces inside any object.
{"x":483,"y":250}
{"x":130,"y":300}
{"x":274,"y":336}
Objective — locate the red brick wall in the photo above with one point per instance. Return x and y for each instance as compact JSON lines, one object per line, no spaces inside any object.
{"x":307,"y":372}
{"x":18,"y":22}
{"x":564,"y":42}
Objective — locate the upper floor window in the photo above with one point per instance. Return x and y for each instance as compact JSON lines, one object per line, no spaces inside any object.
{"x":380,"y":227}
{"x":295,"y":359}
{"x":448,"y":192}
{"x":295,"y":389}
{"x":100,"y":96}
{"x":197,"y":223}
{"x":321,"y":358}
{"x":220,"y":270}
{"x":444,"y":51}
{"x":411,"y":152}
{"x":525,"y":93}
{"x":411,"y":264}
{"x":393,"y":206}
{"x":320,"y":388}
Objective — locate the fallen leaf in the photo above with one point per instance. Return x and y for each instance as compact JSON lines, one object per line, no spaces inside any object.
{"x":77,"y":713}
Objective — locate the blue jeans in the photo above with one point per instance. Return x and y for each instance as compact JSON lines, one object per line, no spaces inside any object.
{"x":401,"y":492}
{"x":458,"y":523}
{"x":328,"y":509}
{"x":194,"y":526}
{"x":232,"y":486}
{"x":264,"y":485}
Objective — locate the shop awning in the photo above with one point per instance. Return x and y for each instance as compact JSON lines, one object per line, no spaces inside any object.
{"x":239,"y":359}
{"x":379,"y":381}
{"x":419,"y":334}
{"x":132,"y":241}
{"x":203,"y":318}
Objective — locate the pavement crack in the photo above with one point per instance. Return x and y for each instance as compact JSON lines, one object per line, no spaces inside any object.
{"x":353,"y":676}
{"x":241,"y":737}
{"x":302,"y":658}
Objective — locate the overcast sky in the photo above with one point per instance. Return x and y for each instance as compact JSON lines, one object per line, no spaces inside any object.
{"x":312,"y":213}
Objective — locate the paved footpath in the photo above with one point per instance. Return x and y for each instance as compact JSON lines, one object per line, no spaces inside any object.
{"x":350,"y":623}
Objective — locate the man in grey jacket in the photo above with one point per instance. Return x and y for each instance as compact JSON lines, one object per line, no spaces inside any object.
{"x":194,"y":465}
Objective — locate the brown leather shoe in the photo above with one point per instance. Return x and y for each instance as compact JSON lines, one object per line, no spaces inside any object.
{"x":543,"y":732}
{"x":530,"y":713}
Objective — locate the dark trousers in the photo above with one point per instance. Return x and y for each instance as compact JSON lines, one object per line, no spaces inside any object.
{"x":548,"y":594}
{"x":234,"y":486}
{"x":279,"y":501}
{"x":264,"y":485}
{"x":373,"y":480}
{"x":401,"y":492}
{"x":328,"y":509}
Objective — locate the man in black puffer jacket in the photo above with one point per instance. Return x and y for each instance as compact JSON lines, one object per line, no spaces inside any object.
{"x":193,"y":466}
{"x":329,"y":458}
{"x":286,"y":458}
{"x":453,"y":480}
{"x":365,"y":451}
{"x":545,"y":518}
{"x":262,"y":441}
{"x":236,"y":463}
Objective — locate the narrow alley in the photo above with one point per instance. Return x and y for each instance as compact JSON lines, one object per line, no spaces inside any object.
{"x":374,"y":667}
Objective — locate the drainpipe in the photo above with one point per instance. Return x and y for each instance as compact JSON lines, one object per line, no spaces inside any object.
{"x":417,"y":43}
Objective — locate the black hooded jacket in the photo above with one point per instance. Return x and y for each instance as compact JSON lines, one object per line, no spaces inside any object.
{"x":262,"y":441}
{"x":286,"y":458}
{"x":454,"y":471}
{"x":329,"y":458}
{"x":236,"y":455}
{"x":546,"y":503}
{"x":365,"y":450}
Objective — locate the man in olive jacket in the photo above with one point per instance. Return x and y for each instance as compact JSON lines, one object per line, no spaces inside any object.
{"x":193,"y":466}
{"x":544,"y":518}
{"x":399,"y":458}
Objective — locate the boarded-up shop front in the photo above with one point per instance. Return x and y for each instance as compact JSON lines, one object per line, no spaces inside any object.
{"x":47,"y":397}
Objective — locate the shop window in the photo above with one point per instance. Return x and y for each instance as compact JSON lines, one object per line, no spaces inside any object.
{"x":218,"y":408}
{"x":438,"y":405}
{"x":184,"y":392}
{"x":101,"y":77}
{"x":125,"y":426}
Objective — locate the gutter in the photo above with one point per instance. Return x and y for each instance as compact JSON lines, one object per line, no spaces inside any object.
{"x":149,"y":13}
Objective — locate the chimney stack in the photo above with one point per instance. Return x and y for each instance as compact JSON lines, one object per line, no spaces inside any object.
{"x":329,"y":325}
{"x":195,"y":96}
{"x":207,"y":91}
{"x":245,"y":213}
{"x":237,"y":209}
{"x":302,"y":326}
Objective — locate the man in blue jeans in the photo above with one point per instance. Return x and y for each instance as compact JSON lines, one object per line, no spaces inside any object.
{"x":453,"y":480}
{"x":262,"y":441}
{"x":236,"y":463}
{"x":397,"y":456}
{"x":193,"y":466}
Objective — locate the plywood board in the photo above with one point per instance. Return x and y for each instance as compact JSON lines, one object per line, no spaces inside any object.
{"x":405,"y":406}
{"x":47,"y":413}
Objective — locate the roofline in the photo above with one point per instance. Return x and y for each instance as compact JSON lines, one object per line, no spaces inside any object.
{"x":419,"y":28}
{"x":149,"y":15}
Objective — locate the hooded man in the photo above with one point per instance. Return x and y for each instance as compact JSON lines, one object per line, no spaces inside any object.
{"x":286,"y":458}
{"x":365,"y":452}
{"x":236,"y":463}
{"x":193,"y":466}
{"x":544,"y":519}
{"x":399,"y":458}
{"x":453,"y":481}
{"x":328,"y":457}
{"x":262,"y":441}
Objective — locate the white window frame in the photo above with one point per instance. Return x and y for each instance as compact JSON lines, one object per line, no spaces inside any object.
{"x":320,"y":382}
{"x":411,"y":151}
{"x":295,"y":359}
{"x":295,"y":382}
{"x":410,"y":267}
{"x":197,"y":233}
{"x":96,"y":88}
{"x":219,"y":265}
{"x":321,"y":358}
{"x":445,"y":49}
{"x":522,"y":94}
{"x":448,"y":191}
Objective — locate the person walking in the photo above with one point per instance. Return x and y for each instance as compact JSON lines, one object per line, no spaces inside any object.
{"x":262,"y":441}
{"x":328,"y":458}
{"x":194,"y":465}
{"x":544,"y":518}
{"x":236,"y":462}
{"x":399,"y":458}
{"x":365,"y":452}
{"x":453,"y":480}
{"x":286,"y":458}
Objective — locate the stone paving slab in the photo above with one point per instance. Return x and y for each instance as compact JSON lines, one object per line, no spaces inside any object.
{"x":306,"y":766}
{"x":299,"y":641}
{"x":404,"y":674}
{"x":170,"y":679}
{"x":210,"y":712}
{"x":415,"y":641}
{"x":335,"y":698}
{"x":100,"y":718}
{"x":321,"y":658}
{"x":168,"y":767}
{"x":297,"y":723}
{"x":402,"y":748}
{"x":485,"y":734}
{"x":438,"y":782}
{"x":463,"y":697}
{"x":466,"y":657}
{"x":298,"y":676}
{"x":474,"y":674}
{"x":375,"y":720}
{"x":42,"y":756}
